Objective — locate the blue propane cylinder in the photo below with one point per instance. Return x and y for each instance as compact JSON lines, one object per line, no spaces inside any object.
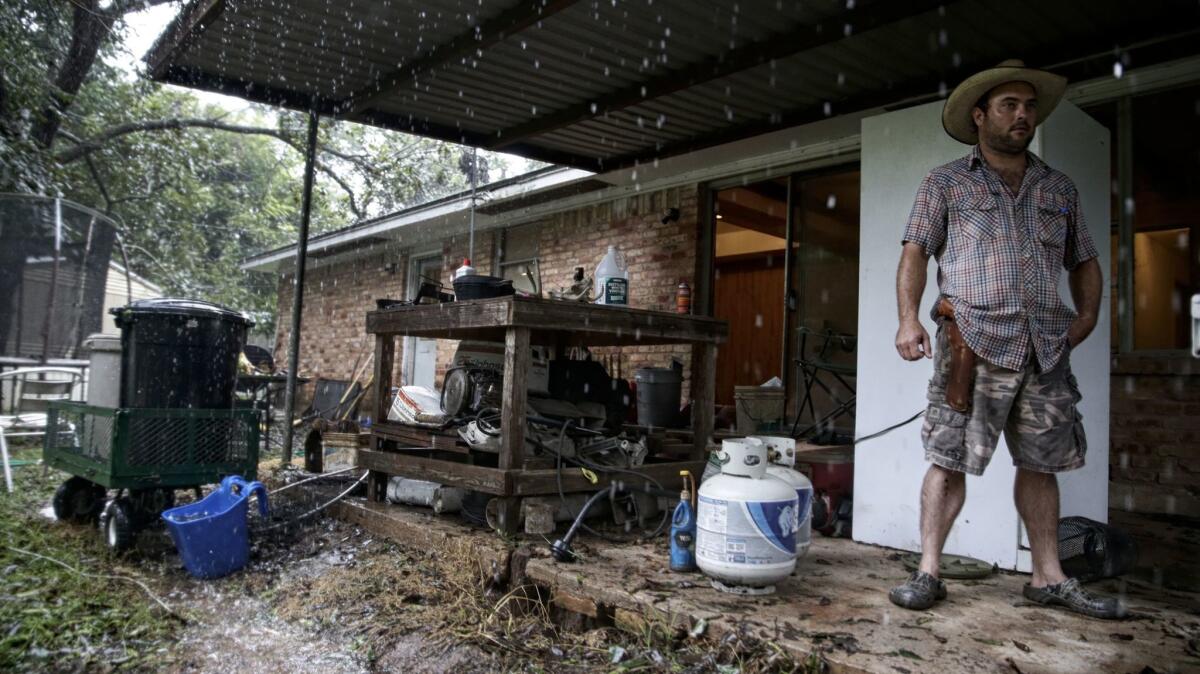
{"x":683,"y":530}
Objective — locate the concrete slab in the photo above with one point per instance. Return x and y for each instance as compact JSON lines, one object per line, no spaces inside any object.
{"x":836,"y":604}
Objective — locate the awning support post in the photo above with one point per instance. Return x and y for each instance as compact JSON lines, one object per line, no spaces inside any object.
{"x":310,"y":160}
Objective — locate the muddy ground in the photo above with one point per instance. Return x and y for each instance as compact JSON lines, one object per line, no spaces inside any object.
{"x":325,"y":596}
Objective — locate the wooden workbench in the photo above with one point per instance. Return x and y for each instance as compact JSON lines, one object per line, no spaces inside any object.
{"x":520,"y":322}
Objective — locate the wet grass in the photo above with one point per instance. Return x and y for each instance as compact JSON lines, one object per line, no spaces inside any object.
{"x":54,"y":619}
{"x":395,"y":592}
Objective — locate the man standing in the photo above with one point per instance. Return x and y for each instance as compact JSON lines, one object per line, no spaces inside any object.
{"x":1002,"y":225}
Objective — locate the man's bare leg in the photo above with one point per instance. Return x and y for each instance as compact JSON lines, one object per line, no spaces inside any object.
{"x":1036,"y":495}
{"x":942,"y":495}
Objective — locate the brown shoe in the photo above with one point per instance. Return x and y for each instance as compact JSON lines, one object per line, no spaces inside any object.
{"x":1070,"y":595}
{"x":919,"y":592}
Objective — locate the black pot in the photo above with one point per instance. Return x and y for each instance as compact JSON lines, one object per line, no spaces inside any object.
{"x":477,"y":287}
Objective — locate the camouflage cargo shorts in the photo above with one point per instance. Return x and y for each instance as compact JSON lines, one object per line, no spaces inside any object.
{"x":1037,"y":411}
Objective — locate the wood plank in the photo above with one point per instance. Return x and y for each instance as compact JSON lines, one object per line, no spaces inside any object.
{"x":385,"y":350}
{"x":703,"y":391}
{"x":478,"y":478}
{"x":551,"y":322}
{"x":419,"y":529}
{"x":575,"y":603}
{"x":512,"y":415}
{"x":590,"y":321}
{"x":542,"y":482}
{"x":434,"y":320}
{"x":414,"y":437}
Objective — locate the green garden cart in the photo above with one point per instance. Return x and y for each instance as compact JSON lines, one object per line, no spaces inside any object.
{"x":144,"y":455}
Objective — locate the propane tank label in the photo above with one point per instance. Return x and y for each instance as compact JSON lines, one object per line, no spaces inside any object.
{"x":746,"y":532}
{"x":803,"y":518}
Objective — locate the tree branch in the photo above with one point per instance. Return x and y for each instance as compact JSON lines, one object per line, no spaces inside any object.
{"x":345,"y":188}
{"x":122,"y":7}
{"x":84,"y":148}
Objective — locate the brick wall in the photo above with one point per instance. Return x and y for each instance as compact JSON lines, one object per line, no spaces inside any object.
{"x":333,"y":333}
{"x":1155,"y":435}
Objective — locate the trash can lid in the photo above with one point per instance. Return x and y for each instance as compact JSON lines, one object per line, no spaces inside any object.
{"x":181,"y":307}
{"x":657,"y":375}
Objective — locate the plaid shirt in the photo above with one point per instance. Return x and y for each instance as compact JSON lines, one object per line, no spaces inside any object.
{"x":999,"y":257}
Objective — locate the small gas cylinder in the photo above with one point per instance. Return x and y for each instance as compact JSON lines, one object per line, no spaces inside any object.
{"x":781,"y":459}
{"x":745,"y":522}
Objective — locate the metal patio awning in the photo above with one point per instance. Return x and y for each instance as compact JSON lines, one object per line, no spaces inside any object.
{"x":603,"y":84}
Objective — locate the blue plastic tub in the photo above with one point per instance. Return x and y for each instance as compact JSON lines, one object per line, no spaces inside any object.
{"x":210,"y":534}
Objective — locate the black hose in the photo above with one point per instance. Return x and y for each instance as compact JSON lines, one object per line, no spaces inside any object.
{"x":562,"y":547}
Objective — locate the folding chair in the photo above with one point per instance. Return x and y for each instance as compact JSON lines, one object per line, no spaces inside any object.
{"x":817,"y":368}
{"x":31,"y":399}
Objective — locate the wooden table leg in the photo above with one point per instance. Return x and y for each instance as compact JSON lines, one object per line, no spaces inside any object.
{"x":385,"y":351}
{"x":374,"y":493}
{"x":508,"y":515}
{"x":517,"y":362}
{"x":703,"y":393}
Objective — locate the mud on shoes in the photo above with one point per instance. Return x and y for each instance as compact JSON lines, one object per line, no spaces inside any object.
{"x":1070,"y":595}
{"x":919,"y":592}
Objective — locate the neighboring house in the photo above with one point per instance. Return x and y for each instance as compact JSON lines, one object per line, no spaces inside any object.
{"x":121,"y":288}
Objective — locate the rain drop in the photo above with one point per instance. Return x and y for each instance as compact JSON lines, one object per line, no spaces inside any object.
{"x":1118,"y":70}
{"x":831,"y":201}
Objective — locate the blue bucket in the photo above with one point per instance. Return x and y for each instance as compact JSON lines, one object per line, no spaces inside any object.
{"x":210,"y":534}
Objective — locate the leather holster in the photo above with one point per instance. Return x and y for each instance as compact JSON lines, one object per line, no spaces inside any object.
{"x":960,"y":385}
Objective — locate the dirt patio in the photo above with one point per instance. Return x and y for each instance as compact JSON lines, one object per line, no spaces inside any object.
{"x":834,"y":609}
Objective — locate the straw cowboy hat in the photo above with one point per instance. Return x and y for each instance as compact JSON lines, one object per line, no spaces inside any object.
{"x":956,"y":116}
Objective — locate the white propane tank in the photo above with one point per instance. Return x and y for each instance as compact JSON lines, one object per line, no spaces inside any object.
{"x":745,"y":522}
{"x":442,"y":499}
{"x":781,"y":459}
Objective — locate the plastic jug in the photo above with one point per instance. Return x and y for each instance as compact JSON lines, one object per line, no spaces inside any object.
{"x":683,"y":529}
{"x":612,"y":279}
{"x":465,"y":270}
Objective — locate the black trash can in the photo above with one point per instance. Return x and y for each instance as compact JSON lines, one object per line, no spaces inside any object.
{"x":179,"y":353}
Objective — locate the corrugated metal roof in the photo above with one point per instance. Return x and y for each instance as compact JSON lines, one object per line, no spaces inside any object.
{"x":600,"y":84}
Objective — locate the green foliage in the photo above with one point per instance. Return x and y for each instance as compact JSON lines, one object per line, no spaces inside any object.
{"x":193,"y":202}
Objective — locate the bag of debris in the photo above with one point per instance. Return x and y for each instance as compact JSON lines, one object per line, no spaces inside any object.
{"x":1090,"y":550}
{"x":419,"y":406}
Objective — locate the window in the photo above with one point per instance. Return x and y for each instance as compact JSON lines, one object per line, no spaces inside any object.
{"x":517,"y":256}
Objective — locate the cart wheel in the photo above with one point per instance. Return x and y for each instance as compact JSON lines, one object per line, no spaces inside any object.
{"x":78,"y":501}
{"x":117,"y":524}
{"x":148,"y":504}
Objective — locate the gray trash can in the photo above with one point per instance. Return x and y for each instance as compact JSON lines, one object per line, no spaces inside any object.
{"x":658,"y":394}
